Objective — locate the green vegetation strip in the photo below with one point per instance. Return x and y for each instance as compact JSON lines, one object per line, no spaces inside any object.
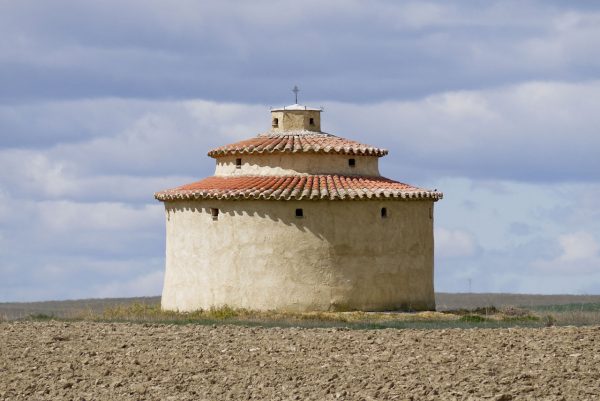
{"x":487,"y":317}
{"x":151,"y":313}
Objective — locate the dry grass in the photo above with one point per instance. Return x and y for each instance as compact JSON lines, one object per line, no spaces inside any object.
{"x":153,"y":312}
{"x":535,"y":313}
{"x":578,"y":314}
{"x":509,"y":315}
{"x":145,"y":312}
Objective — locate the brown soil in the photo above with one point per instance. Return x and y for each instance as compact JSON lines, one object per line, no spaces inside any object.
{"x":120,"y":361}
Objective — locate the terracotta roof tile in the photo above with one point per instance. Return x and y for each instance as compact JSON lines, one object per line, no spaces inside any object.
{"x":329,"y":187}
{"x":298,"y":142}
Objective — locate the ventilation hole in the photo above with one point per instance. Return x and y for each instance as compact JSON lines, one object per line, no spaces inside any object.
{"x":215,"y":213}
{"x":238,"y":163}
{"x":299,"y":213}
{"x":275,"y":122}
{"x":384,"y":212}
{"x":352,"y":162}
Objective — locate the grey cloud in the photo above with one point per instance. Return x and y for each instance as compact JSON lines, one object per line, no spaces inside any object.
{"x":534,"y":132}
{"x":128,"y":149}
{"x":79,"y":277}
{"x":253,"y":52}
{"x":519,"y":228}
{"x":517,"y":270}
{"x":47,"y":123}
{"x":528,"y":247}
{"x":578,"y":206}
{"x":106,"y":230}
{"x":122,"y":139}
{"x":62,"y":249}
{"x":87,"y":208}
{"x":97,"y":112}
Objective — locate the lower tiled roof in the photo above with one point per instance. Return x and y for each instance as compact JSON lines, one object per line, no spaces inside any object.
{"x":297,"y":187}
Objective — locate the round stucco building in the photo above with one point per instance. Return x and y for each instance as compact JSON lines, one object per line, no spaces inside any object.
{"x":298,"y":219}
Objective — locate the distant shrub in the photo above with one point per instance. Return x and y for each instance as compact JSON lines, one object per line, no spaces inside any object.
{"x":514,"y":311}
{"x":41,"y":316}
{"x":484,"y":310}
{"x":473,"y":319}
{"x":522,"y":318}
{"x":549,"y":320}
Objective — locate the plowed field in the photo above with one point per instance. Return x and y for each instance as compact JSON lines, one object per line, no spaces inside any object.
{"x":121,"y":361}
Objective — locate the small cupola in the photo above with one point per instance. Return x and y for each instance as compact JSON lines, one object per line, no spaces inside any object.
{"x":296,"y":117}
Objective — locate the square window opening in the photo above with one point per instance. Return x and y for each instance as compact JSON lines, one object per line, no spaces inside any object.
{"x":214,"y":213}
{"x":275,"y":123}
{"x":352,"y":162}
{"x":299,"y":213}
{"x":311,"y":121}
{"x":238,"y":163}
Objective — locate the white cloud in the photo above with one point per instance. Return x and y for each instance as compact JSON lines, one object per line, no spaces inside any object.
{"x":143,"y":285}
{"x":578,"y":246}
{"x":517,"y":232}
{"x":149,"y":147}
{"x":43,"y":233}
{"x":418,"y":15}
{"x":34,"y":171}
{"x":91,"y":197}
{"x":566,"y":41}
{"x":61,"y":216}
{"x":71,"y":276}
{"x":94,"y":119}
{"x":454,"y":243}
{"x":536,"y":131}
{"x":579,"y":254}
{"x":539,"y":131}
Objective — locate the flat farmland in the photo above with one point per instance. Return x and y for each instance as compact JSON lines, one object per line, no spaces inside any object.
{"x":81,"y":360}
{"x":476,"y":347}
{"x":444,"y":302}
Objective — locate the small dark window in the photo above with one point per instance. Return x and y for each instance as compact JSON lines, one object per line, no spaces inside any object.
{"x":311,"y":121}
{"x":215,"y":213}
{"x":299,"y":213}
{"x":238,"y":163}
{"x":383,"y":212}
{"x":431,"y":212}
{"x":275,"y":122}
{"x":352,"y":162}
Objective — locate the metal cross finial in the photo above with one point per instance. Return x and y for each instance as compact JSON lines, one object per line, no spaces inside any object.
{"x":296,"y":90}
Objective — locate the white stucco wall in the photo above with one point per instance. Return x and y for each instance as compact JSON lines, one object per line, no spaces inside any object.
{"x":340,"y":256}
{"x":296,"y":120}
{"x":296,"y":164}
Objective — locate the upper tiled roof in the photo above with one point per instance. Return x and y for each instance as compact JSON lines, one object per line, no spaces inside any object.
{"x":298,"y":142}
{"x":298,"y":187}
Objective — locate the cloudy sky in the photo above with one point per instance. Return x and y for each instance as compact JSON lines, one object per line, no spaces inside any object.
{"x":102,"y":103}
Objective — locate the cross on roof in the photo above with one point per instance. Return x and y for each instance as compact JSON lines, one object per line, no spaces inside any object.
{"x":296,"y":90}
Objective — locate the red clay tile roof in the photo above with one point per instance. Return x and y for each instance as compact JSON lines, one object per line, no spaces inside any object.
{"x":297,"y":142}
{"x":295,"y":188}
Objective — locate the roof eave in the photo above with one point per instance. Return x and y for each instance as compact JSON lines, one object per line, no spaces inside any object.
{"x":165,"y":196}
{"x":215,"y":154}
